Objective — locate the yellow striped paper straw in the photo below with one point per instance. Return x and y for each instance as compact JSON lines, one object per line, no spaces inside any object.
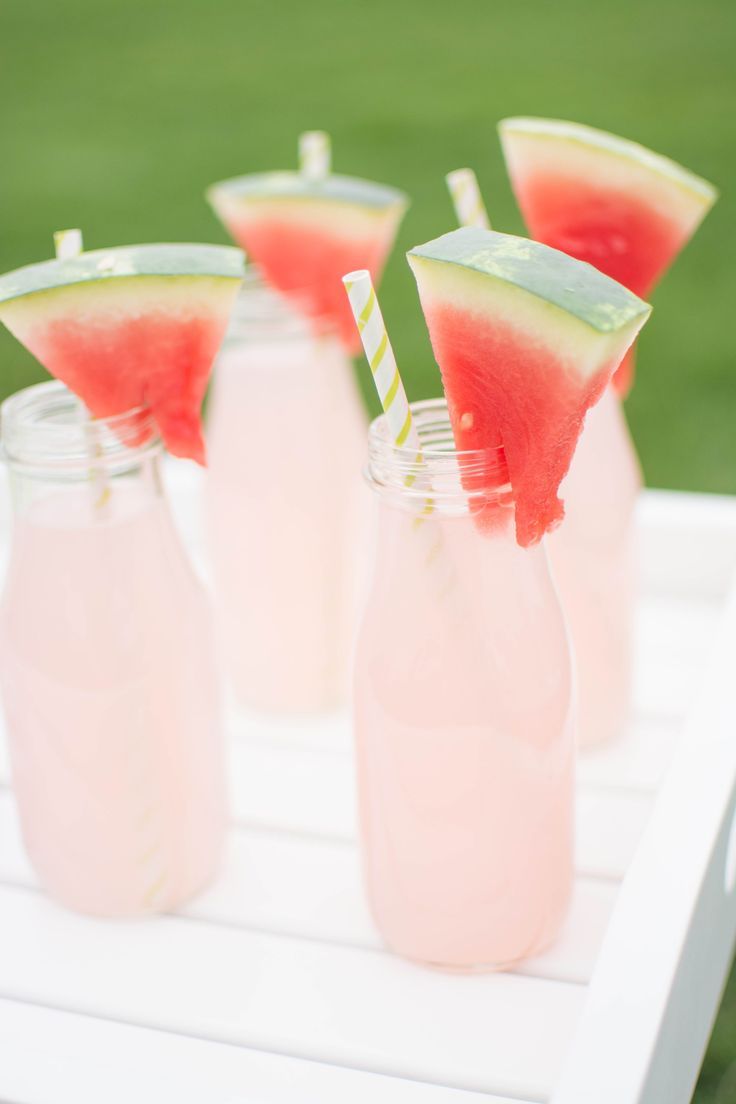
{"x":380,"y":356}
{"x":467,"y":200}
{"x":315,"y":154}
{"x":385,"y":371}
{"x":68,"y":243}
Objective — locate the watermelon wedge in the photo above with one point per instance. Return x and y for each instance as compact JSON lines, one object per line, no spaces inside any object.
{"x":604,"y":200}
{"x":305,"y":234}
{"x":128,"y":327}
{"x":526,"y":338}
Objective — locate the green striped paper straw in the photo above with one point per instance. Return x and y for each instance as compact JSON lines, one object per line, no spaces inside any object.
{"x":380,"y":356}
{"x":467,"y":200}
{"x":69,"y":244}
{"x":315,"y":154}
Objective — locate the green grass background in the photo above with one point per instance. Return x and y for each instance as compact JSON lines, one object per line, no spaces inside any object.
{"x":117,"y":113}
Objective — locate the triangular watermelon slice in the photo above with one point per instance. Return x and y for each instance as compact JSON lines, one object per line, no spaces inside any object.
{"x":305,"y":234}
{"x":604,"y":200}
{"x":526,"y":339}
{"x":132,"y":326}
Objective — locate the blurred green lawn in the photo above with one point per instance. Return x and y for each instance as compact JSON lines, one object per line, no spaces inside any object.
{"x":116,"y":115}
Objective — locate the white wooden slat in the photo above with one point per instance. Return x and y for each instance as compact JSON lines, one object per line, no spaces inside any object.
{"x":675,"y":623}
{"x":327,"y":732}
{"x":4,"y":756}
{"x":662,"y":966}
{"x":574,"y":954}
{"x":687,"y":543}
{"x":50,"y":1057}
{"x":15,"y":866}
{"x":293,"y":789}
{"x":671,"y":645}
{"x":610,"y":826}
{"x":185,"y":482}
{"x":498,"y":1033}
{"x":312,"y":889}
{"x":638,"y":760}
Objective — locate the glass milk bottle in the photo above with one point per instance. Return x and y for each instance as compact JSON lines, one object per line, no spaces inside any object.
{"x":593,"y":562}
{"x":285,"y":506}
{"x":462,"y":711}
{"x":106,"y":658}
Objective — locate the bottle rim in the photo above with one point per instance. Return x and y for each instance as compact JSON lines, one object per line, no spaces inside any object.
{"x":453,"y":481}
{"x":261,"y":313}
{"x":47,"y":428}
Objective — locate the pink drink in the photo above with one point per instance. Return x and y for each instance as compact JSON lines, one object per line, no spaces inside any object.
{"x":109,"y":688}
{"x":593,"y":563}
{"x":463,"y":722}
{"x":286,"y":505}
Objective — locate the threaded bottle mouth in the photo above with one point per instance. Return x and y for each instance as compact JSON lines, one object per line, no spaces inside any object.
{"x":457,"y":481}
{"x":46,"y":428}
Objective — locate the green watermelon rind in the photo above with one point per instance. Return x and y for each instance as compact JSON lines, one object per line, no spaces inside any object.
{"x":182,"y":263}
{"x":573,"y":287}
{"x":624,"y":149}
{"x":295,"y":186}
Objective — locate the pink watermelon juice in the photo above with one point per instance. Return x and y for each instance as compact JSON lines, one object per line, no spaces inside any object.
{"x":463,"y":715}
{"x":593,"y":560}
{"x":286,"y":521}
{"x":109,"y":687}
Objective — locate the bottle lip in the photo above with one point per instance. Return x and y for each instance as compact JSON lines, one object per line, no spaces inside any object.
{"x":261,"y":313}
{"x":46,"y":428}
{"x":456,"y":481}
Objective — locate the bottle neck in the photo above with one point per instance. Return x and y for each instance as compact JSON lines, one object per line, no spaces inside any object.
{"x":436,"y":479}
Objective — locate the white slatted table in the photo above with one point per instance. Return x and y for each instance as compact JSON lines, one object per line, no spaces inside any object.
{"x":272,"y":988}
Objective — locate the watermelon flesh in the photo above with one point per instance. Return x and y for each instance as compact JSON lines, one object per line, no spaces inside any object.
{"x":527,"y":340}
{"x":603,"y":200}
{"x":307,"y":265}
{"x":619,"y":234}
{"x":128,"y":340}
{"x":304,"y":235}
{"x":129,"y":370}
